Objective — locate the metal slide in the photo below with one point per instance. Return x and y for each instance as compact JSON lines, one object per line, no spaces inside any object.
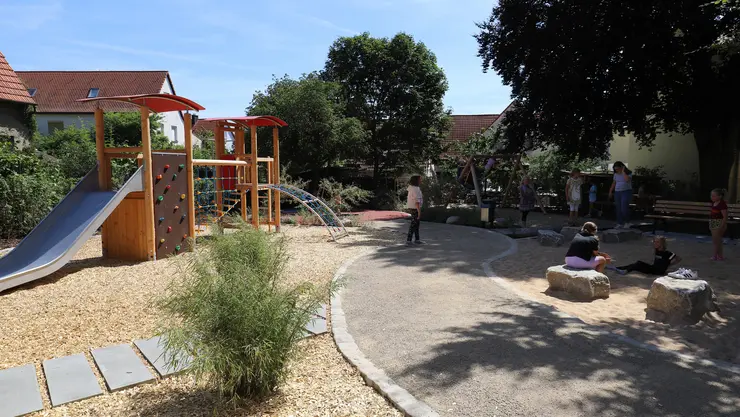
{"x":54,"y":241}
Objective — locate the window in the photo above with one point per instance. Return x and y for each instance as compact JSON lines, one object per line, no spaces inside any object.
{"x":174,"y":133}
{"x":93,"y":93}
{"x":54,"y":126}
{"x":31,"y":92}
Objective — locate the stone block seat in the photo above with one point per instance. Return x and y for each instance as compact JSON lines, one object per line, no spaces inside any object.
{"x":679,"y":301}
{"x":584,"y":284}
{"x":620,"y":235}
{"x":569,"y":232}
{"x":549,"y":238}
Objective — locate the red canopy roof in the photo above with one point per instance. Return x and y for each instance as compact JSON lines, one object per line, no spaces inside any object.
{"x":247,"y":121}
{"x":158,"y":103}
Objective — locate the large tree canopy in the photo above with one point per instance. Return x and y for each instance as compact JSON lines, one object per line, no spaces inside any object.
{"x":581,"y":70}
{"x":395,"y":88}
{"x":318,"y":134}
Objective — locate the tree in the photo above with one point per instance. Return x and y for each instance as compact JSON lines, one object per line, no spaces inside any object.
{"x":318,"y":134}
{"x":582,"y":70}
{"x":395,"y":88}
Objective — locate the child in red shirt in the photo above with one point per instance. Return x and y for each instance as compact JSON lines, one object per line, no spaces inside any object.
{"x":718,"y":222}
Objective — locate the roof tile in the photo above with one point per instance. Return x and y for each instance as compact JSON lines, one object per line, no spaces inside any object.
{"x":11,"y":88}
{"x":57,"y":91}
{"x":463,"y":126}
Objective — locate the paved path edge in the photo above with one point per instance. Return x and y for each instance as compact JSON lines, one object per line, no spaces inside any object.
{"x":602,"y":331}
{"x":373,"y":376}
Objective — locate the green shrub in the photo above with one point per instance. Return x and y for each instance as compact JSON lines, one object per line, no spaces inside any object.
{"x":26,"y":199}
{"x":71,"y":149}
{"x":342,"y":198}
{"x":232,"y":310}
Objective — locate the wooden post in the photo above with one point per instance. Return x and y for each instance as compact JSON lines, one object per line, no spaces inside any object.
{"x":269,"y":196}
{"x":219,"y":140}
{"x":239,"y":151}
{"x":477,"y":186}
{"x":276,"y":175}
{"x":103,"y":163}
{"x":189,"y":173}
{"x":255,"y":180}
{"x":146,"y":145}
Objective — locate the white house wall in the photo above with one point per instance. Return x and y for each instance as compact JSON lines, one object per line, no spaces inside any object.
{"x":69,"y":119}
{"x":676,"y":153}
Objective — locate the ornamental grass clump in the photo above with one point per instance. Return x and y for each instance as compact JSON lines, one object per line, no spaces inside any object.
{"x":232,"y":311}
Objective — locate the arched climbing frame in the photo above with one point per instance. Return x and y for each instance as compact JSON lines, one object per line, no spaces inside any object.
{"x":332,"y":222}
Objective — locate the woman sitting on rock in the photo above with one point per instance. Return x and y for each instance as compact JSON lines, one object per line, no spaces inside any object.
{"x":583,"y":252}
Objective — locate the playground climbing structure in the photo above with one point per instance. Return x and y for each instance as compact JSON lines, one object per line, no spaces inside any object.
{"x":327,"y":216}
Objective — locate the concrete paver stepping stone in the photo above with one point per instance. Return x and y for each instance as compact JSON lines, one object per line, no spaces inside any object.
{"x":70,"y":378}
{"x":19,"y":391}
{"x":316,"y":326}
{"x":321,"y":311}
{"x":153,"y":351}
{"x":121,"y":367}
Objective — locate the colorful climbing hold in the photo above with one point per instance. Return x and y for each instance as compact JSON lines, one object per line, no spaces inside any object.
{"x":167,"y":187}
{"x":161,"y":240}
{"x":159,"y":177}
{"x":169,"y":229}
{"x":177,"y":247}
{"x":177,"y":207}
{"x":181,"y":166}
{"x":185,"y":236}
{"x":174,"y":176}
{"x":166,"y":167}
{"x":160,"y":198}
{"x":161,"y":219}
{"x":182,"y":196}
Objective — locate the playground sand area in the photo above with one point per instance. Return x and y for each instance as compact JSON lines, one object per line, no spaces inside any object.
{"x":94,"y":302}
{"x":717,"y":336}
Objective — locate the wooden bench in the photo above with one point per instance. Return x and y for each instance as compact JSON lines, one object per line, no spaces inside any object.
{"x":665,"y":210}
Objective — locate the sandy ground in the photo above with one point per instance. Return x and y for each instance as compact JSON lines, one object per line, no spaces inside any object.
{"x":717,"y":336}
{"x":95,"y":302}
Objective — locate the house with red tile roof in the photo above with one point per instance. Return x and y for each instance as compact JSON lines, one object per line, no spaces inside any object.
{"x":463,"y":127}
{"x":15,"y":103}
{"x":56,"y":94}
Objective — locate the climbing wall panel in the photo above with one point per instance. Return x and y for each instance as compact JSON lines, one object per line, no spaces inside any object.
{"x":170,"y":203}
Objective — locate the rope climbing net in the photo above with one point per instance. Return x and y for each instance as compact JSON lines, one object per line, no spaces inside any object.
{"x":215,"y":196}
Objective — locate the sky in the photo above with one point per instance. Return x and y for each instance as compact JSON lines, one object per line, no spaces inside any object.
{"x":220,"y":52}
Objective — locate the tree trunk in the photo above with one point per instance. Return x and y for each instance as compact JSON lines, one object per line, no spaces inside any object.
{"x":716,"y":149}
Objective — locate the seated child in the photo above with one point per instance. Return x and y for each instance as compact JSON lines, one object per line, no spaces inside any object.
{"x":583,"y":252}
{"x":663,"y":259}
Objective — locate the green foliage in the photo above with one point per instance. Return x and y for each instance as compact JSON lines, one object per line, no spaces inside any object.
{"x":340,"y":197}
{"x":441,"y":192}
{"x":72,"y":149}
{"x":123,"y":129}
{"x":580,"y":74}
{"x":234,"y":312}
{"x":317,"y":134}
{"x":29,"y":189}
{"x":395,"y":88}
{"x":550,"y":170}
{"x":29,"y":118}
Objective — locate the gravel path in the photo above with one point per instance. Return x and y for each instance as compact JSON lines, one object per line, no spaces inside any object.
{"x":431,"y":319}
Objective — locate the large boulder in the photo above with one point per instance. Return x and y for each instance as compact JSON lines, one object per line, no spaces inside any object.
{"x":524,"y":232}
{"x":549,"y":238}
{"x":584,"y":284}
{"x":677,"y":301}
{"x":505,"y":232}
{"x":620,"y":235}
{"x":569,"y":232}
{"x":455,"y":220}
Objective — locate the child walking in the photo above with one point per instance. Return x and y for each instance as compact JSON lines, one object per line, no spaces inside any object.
{"x":573,"y":194}
{"x":414,"y":201}
{"x":592,"y":199}
{"x":718,"y":222}
{"x":527,"y":198}
{"x":663,"y":259}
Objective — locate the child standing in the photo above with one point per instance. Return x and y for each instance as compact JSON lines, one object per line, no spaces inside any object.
{"x":718,"y":222}
{"x":527,"y":198}
{"x":414,"y":201}
{"x":621,"y":189}
{"x":592,"y":199}
{"x":663,"y":259}
{"x":573,"y":195}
